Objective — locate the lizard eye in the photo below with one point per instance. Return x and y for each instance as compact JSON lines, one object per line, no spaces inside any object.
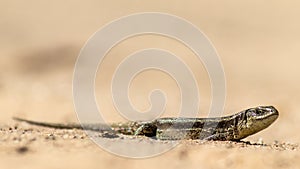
{"x":253,"y":112}
{"x":256,"y":112}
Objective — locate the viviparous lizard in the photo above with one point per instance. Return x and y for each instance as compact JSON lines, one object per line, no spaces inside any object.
{"x":234,"y":127}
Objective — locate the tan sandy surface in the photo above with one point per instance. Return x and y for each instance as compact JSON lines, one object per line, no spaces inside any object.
{"x":258,"y":44}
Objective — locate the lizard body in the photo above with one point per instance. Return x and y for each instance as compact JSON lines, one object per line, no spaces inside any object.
{"x":233,"y":127}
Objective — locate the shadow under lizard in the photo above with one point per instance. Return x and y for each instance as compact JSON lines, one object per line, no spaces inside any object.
{"x":231,"y":128}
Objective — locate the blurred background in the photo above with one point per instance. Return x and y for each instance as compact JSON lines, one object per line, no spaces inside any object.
{"x":257,"y":42}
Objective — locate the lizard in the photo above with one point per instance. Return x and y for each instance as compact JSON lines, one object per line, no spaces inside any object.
{"x":227,"y":128}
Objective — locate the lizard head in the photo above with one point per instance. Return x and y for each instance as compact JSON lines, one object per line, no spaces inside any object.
{"x":257,"y":119}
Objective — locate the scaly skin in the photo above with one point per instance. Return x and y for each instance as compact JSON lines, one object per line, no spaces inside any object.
{"x":234,"y":127}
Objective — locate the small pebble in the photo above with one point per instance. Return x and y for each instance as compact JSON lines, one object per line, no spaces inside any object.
{"x":65,"y":136}
{"x":50,"y":137}
{"x":22,"y":149}
{"x":260,"y":141}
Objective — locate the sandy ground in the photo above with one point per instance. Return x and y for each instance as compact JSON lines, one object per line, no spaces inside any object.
{"x":258,"y":45}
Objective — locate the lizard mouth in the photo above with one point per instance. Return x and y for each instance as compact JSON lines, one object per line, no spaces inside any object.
{"x":272,"y":116}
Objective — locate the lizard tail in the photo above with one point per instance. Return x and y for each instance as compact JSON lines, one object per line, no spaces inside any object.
{"x":51,"y":125}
